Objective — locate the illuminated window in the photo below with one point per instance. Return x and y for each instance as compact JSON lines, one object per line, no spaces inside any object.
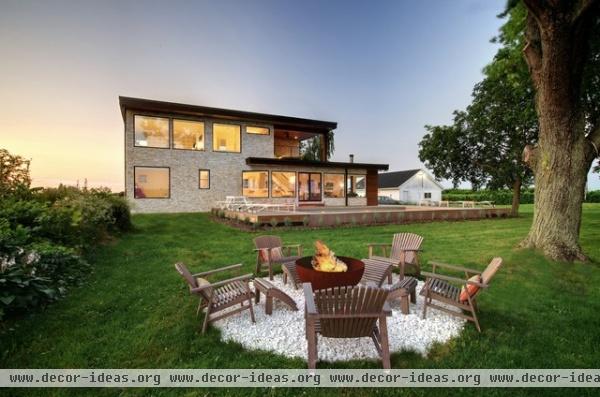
{"x":255,"y":183}
{"x":257,"y":130}
{"x":151,"y":131}
{"x":226,"y":138}
{"x":188,"y":135}
{"x":204,"y":179}
{"x":283,"y":184}
{"x":151,"y":182}
{"x":333,"y":185}
{"x":357,"y":185}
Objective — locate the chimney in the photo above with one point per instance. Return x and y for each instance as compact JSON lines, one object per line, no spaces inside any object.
{"x":352,"y":158}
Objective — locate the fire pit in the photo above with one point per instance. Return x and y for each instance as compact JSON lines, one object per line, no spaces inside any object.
{"x":322,"y":280}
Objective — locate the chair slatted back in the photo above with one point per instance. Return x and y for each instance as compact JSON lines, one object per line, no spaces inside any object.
{"x":272,"y":242}
{"x":349,"y":312}
{"x":406,"y":241}
{"x":491,"y":270}
{"x":268,"y":242}
{"x":192,"y":283}
{"x":375,"y":273}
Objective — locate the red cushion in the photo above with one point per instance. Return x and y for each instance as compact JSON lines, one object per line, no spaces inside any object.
{"x":471,"y":289}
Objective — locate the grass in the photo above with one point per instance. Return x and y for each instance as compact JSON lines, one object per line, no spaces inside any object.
{"x":136,"y":312}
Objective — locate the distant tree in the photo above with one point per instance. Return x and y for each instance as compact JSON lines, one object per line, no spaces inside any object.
{"x":563,"y":54}
{"x":14,"y":173}
{"x":485,"y":142}
{"x":310,"y":149}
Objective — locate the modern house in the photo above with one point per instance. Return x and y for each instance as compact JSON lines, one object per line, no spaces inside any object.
{"x":410,"y":186}
{"x":181,"y":158}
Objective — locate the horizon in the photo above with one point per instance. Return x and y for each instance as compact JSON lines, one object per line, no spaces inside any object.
{"x":380,"y":71}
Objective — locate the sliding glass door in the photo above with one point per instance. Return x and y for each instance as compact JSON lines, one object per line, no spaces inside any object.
{"x":309,"y":186}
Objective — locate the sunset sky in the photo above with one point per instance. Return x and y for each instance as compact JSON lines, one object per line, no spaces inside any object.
{"x":381,"y":69}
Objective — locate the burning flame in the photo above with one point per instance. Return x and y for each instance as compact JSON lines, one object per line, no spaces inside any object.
{"x":325,"y":260}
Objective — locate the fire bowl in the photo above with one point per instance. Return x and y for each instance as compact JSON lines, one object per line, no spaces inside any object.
{"x":322,"y":280}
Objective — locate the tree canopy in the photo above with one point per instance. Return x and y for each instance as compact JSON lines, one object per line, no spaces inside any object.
{"x":484,"y":143}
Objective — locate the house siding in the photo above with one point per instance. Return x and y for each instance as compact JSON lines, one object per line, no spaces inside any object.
{"x":225,"y":169}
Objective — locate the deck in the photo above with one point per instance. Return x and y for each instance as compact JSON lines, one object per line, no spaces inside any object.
{"x":383,"y":214}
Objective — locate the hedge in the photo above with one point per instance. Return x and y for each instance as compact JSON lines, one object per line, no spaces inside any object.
{"x":502,"y":197}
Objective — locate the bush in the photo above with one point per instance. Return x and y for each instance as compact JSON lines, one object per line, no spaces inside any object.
{"x":42,"y":235}
{"x":593,"y":197}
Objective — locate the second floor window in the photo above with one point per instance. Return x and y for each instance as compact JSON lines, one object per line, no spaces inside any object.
{"x":227,"y":138}
{"x":188,"y":135}
{"x":151,"y":131}
{"x":257,"y":130}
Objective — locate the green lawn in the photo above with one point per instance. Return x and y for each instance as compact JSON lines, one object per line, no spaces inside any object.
{"x":135,"y":311}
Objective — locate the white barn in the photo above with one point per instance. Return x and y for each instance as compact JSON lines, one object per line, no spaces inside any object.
{"x":409,"y":186}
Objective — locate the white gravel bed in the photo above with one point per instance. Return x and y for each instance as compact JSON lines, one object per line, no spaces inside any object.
{"x":284,"y":331}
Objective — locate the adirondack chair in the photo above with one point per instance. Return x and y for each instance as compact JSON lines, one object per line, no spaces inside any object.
{"x":376,"y":272}
{"x":404,"y":251}
{"x":445,"y":289}
{"x":270,"y":251}
{"x":347,"y":312}
{"x":220,"y":295}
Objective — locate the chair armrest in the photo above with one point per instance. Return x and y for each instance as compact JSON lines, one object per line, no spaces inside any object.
{"x":224,"y":282}
{"x":453,"y":279}
{"x":309,"y":299}
{"x":386,"y":309}
{"x":412,"y":249}
{"x":222,"y":269}
{"x":297,"y":246}
{"x":262,"y":249}
{"x":454,"y":267}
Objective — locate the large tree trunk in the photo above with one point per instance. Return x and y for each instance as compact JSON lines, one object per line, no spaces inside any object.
{"x":516,"y":200}
{"x":555,"y":54}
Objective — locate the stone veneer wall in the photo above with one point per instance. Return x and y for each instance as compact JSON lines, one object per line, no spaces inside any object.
{"x":225,"y":170}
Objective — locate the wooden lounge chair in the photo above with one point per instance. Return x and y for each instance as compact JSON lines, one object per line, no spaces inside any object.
{"x":220,"y":295}
{"x":447,"y":289}
{"x":376,"y":272}
{"x":347,"y":312}
{"x":270,"y":251}
{"x":404,"y":251}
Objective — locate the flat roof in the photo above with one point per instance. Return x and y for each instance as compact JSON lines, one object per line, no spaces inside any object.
{"x":313,"y":163}
{"x":283,"y":122}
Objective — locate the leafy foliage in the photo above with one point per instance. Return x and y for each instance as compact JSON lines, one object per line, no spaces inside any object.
{"x":43,"y":235}
{"x":484,"y":144}
{"x":14,"y":173}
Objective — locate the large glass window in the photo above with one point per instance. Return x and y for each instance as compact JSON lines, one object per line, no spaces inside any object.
{"x":283,"y":184}
{"x":333,"y":185}
{"x":257,"y":130}
{"x":309,"y":186}
{"x":357,"y":185}
{"x":151,"y":131}
{"x":151,"y":182}
{"x":226,"y":138}
{"x":204,"y":179}
{"x":255,"y":183}
{"x":188,"y":135}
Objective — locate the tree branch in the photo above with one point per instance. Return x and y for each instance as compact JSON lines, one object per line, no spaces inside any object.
{"x":594,"y":139}
{"x":530,"y":156}
{"x":533,"y":49}
{"x":585,"y":7}
{"x":536,"y":7}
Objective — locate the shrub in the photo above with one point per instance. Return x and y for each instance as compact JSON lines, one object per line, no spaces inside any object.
{"x":287,"y":221}
{"x":306,"y":221}
{"x":274,"y":222}
{"x":22,"y":290}
{"x":353,"y":220}
{"x":593,"y":197}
